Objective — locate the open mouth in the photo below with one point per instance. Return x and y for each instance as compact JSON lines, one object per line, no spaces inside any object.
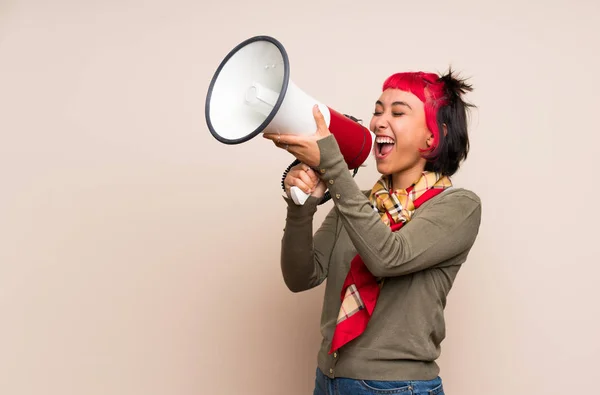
{"x":383,"y":146}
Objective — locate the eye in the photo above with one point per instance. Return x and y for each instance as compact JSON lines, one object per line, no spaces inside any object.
{"x":397,"y":114}
{"x":376,"y":113}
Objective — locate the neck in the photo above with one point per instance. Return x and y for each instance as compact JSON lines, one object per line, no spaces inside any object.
{"x":405,"y":179}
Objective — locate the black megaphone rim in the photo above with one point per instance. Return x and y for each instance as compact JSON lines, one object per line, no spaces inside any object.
{"x":262,"y":126}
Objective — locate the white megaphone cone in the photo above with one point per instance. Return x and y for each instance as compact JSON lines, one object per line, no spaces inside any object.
{"x":251,"y":92}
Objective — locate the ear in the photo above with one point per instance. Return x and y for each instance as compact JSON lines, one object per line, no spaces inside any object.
{"x":430,"y":137}
{"x":429,"y":140}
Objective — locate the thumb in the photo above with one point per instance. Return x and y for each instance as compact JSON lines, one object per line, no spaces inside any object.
{"x":319,"y":119}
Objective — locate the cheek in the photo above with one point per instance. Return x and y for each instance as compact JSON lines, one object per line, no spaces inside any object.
{"x":403,"y":135}
{"x":408,"y":142}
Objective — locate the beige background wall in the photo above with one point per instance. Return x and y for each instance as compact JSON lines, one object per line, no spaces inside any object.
{"x":140,"y":256}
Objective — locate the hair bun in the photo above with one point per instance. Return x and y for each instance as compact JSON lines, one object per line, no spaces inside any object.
{"x":455,"y":86}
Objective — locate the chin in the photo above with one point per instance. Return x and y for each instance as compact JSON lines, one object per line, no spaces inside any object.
{"x":383,"y":168}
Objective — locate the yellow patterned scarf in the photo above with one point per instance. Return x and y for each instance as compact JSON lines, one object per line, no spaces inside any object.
{"x":361,"y":289}
{"x":400,"y":204}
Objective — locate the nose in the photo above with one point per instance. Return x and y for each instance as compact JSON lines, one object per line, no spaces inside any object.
{"x":380,"y":122}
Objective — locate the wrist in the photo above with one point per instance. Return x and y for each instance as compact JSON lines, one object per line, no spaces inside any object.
{"x":331,"y":158}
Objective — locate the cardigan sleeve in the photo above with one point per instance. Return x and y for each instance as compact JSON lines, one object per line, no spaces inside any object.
{"x":304,"y":256}
{"x":447,"y":228}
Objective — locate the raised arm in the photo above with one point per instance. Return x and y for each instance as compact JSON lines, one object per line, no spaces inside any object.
{"x":446,"y":229}
{"x":304,"y":257}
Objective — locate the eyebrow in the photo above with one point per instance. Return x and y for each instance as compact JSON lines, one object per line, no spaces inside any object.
{"x":396,"y":103}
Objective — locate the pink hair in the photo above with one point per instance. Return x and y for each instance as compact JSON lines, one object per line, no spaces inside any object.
{"x":430,"y":89}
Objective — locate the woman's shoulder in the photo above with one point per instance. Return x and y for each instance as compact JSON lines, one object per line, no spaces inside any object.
{"x":455,"y":204}
{"x":454,"y":193}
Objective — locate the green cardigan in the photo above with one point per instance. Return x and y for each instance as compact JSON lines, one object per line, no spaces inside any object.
{"x":420,"y":262}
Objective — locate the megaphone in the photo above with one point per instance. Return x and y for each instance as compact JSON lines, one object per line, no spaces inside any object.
{"x":251,"y":93}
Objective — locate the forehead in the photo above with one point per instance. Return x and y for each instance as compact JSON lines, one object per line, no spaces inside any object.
{"x":390,"y":96}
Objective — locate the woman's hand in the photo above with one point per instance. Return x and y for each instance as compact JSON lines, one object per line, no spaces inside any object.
{"x":303,"y":177}
{"x":304,"y":148}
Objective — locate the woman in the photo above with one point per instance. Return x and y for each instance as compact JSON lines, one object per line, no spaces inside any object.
{"x":389,"y":255}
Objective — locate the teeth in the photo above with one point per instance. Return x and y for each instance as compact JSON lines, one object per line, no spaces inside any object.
{"x":384,"y":140}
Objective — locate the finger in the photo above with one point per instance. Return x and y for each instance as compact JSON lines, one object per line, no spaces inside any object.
{"x":295,"y":172}
{"x":313,"y":176}
{"x":308,"y":170}
{"x":283,"y":139}
{"x":319,"y":118}
{"x":311,"y":173}
{"x":299,"y":173}
{"x":300,"y":184}
{"x":306,"y":180}
{"x":298,"y":167}
{"x":275,"y":137}
{"x":282,"y":146}
{"x":292,"y":140}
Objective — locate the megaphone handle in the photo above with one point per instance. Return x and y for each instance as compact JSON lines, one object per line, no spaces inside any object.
{"x":298,"y":195}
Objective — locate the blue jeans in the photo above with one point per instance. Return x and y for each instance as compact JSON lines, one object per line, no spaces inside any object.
{"x":341,"y":386}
